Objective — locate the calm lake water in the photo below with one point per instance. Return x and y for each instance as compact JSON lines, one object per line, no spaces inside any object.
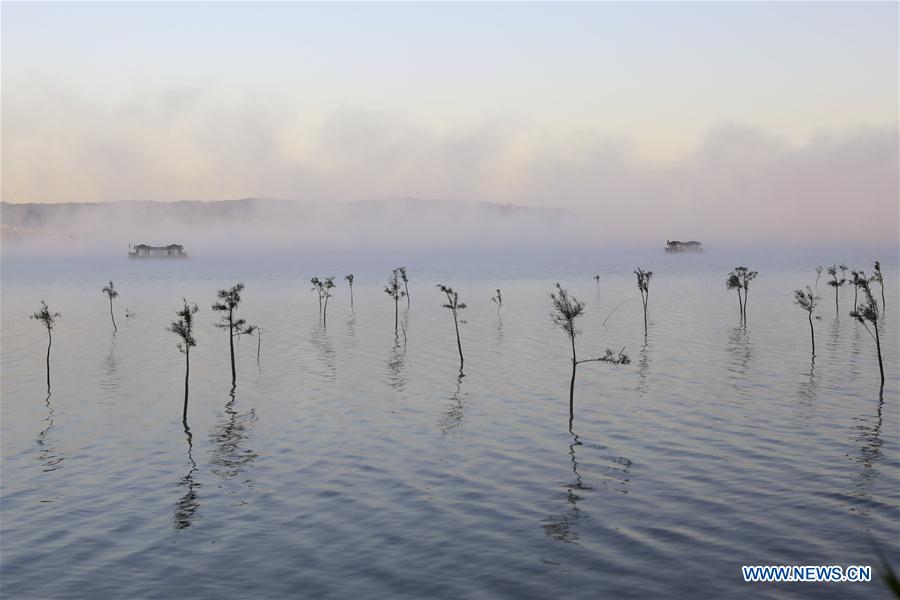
{"x":352,"y":464}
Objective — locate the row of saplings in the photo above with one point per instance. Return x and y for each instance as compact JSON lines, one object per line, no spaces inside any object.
{"x":566,"y":309}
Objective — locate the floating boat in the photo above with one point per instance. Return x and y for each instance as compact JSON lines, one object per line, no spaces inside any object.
{"x":676,"y":246}
{"x":146,"y":251}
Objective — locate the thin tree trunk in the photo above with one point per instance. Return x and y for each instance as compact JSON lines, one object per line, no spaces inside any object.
{"x":396,"y":313}
{"x":883,"y":303}
{"x":112,"y":316}
{"x":812,"y":334}
{"x":572,"y":384}
{"x":231,"y":346}
{"x":187,"y":372}
{"x":351,"y":296}
{"x":855,"y":296}
{"x":878,"y":347}
{"x":458,"y":344}
{"x":325,"y":314}
{"x":740,"y":305}
{"x":644,"y":298}
{"x":406,"y":289}
{"x":837,"y":311}
{"x":49,"y":343}
{"x":258,"y":343}
{"x":746,"y":296}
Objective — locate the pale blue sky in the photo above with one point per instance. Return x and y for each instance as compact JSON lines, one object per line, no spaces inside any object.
{"x":103,"y":101}
{"x":633,"y":68}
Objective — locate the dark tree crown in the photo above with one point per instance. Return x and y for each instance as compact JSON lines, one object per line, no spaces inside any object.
{"x":184,"y":326}
{"x":566,"y":308}
{"x":743,"y":277}
{"x":47,"y":318}
{"x":453,"y":302}
{"x":833,"y":271}
{"x":110,"y":290}
{"x":643,"y":279}
{"x":867,"y":311}
{"x":394,"y":289}
{"x":806,"y":299}
{"x":323,"y":286}
{"x":229,"y":299}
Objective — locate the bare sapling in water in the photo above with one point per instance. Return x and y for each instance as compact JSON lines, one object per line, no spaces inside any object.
{"x":867,"y":313}
{"x":395,"y":291}
{"x":48,"y":320}
{"x":808,"y":301}
{"x":733,"y":282}
{"x":855,"y":281}
{"x":455,"y":306}
{"x":498,"y":300}
{"x":229,"y":300}
{"x":567,"y":308}
{"x":349,"y":279}
{"x":323,"y":287}
{"x":405,"y":279}
{"x":743,"y":277}
{"x":183,"y":327}
{"x":110,"y":291}
{"x":836,"y":284}
{"x":643,"y":283}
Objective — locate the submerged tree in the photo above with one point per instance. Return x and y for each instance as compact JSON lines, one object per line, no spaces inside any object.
{"x":455,"y":306}
{"x":867,"y":313}
{"x":808,"y":301}
{"x":643,"y":283}
{"x":110,"y":291}
{"x":856,"y":280}
{"x":877,"y":276}
{"x":349,"y":279}
{"x":734,"y":283}
{"x":567,"y":308}
{"x":393,"y":290}
{"x":48,"y":320}
{"x":317,"y":286}
{"x":744,"y":277}
{"x":405,"y":279}
{"x":819,"y":270}
{"x":227,"y":304}
{"x":323,"y":287}
{"x":498,"y":300}
{"x":836,"y":284}
{"x":184,"y":329}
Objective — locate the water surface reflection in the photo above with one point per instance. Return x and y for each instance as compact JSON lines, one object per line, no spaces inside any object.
{"x":453,"y":416}
{"x":187,"y":506}
{"x":51,"y":458}
{"x":228,"y":455}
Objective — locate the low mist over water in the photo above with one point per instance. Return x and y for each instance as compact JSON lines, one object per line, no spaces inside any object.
{"x":350,"y":461}
{"x":254,"y":226}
